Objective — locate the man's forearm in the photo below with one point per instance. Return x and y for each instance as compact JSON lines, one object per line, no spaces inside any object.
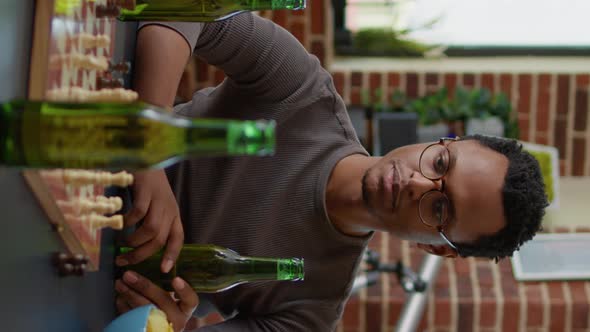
{"x":160,"y":58}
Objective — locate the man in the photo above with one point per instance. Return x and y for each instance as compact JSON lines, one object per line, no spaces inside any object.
{"x":320,"y":197}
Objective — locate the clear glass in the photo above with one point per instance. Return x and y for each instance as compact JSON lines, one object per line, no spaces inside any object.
{"x":201,"y":10}
{"x":210,"y":268}
{"x":119,"y":136}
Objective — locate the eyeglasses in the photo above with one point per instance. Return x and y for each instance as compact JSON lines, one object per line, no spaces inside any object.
{"x":434,"y":205}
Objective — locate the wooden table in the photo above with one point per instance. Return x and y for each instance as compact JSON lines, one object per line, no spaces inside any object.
{"x":34,"y":297}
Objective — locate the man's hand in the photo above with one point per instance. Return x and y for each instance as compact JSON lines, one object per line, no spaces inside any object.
{"x":135,"y":291}
{"x":153,"y":202}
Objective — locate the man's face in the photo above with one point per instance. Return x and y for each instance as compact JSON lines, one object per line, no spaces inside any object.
{"x":392,"y":189}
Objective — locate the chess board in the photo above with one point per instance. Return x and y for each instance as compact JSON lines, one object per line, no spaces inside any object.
{"x":71,"y":59}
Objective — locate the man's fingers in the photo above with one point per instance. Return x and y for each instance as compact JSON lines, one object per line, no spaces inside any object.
{"x":187,"y":297}
{"x":141,"y":205}
{"x":139,"y":254}
{"x":122,"y":305}
{"x":174,"y":245}
{"x":145,"y":288}
{"x":130,"y":296}
{"x":154,"y":225}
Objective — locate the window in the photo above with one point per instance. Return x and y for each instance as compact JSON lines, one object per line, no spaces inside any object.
{"x":468,"y":27}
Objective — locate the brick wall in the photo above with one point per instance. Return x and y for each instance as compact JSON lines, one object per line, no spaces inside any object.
{"x":552,"y":108}
{"x":469,"y":295}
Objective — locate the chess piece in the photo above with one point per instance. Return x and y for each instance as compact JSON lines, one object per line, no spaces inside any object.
{"x":68,"y":265}
{"x":107,"y":11}
{"x":108,"y":205}
{"x":127,"y":4}
{"x":78,"y":60}
{"x":81,"y":178}
{"x":103,"y":83}
{"x":122,"y":67}
{"x":97,"y":221}
{"x":86,"y":40}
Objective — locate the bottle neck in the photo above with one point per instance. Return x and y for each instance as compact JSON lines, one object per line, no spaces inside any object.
{"x":255,"y":268}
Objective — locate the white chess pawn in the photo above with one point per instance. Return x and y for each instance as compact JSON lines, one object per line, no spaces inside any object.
{"x":81,"y":178}
{"x":115,"y":202}
{"x":97,"y":221}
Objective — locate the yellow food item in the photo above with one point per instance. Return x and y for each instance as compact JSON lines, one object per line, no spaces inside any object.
{"x":158,"y":322}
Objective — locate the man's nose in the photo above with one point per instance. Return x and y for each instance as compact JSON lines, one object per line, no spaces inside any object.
{"x":418,"y":185}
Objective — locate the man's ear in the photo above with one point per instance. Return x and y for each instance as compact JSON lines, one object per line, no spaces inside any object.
{"x":439,"y":250}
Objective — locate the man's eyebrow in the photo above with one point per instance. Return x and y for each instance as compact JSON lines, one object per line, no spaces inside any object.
{"x":450,"y":170}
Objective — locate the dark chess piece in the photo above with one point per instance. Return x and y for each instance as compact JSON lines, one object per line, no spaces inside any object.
{"x":105,"y":83}
{"x":122,"y":67}
{"x":107,"y":11}
{"x":127,"y":4}
{"x":68,"y":265}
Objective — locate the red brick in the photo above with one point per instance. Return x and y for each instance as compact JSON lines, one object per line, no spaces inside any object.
{"x":541,"y":138}
{"x":375,"y":85}
{"x":356,"y":78}
{"x":395,"y":251}
{"x":543,"y":89}
{"x":534,"y":306}
{"x":506,"y":85}
{"x":319,"y":49}
{"x":280,"y":17}
{"x":465,"y":321}
{"x":563,"y":92}
{"x":582,"y":80}
{"x":395,"y":309}
{"x":442,"y":281}
{"x":373,"y":315}
{"x":412,"y":85}
{"x":318,"y":21}
{"x":524,"y":93}
{"x":487,"y":81}
{"x":375,"y":242}
{"x":579,"y":156}
{"x":450,"y":83}
{"x":523,"y":128}
{"x":431,"y":79}
{"x":351,"y":315}
{"x":393,"y":80}
{"x":511,"y":316}
{"x":485,"y":278}
{"x":298,"y":30}
{"x":557,"y":309}
{"x":581,"y":109}
{"x":468,"y":80}
{"x":580,"y":306}
{"x":559,"y":136}
{"x":442,"y":313}
{"x":339,"y":82}
{"x":582,"y":229}
{"x":355,"y":97}
{"x":487,"y":313}
{"x":462,"y":266}
{"x":563,"y":171}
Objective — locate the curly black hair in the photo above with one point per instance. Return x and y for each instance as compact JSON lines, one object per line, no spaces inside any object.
{"x":523,"y":198}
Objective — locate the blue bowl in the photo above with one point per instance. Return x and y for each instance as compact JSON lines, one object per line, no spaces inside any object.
{"x":132,"y":321}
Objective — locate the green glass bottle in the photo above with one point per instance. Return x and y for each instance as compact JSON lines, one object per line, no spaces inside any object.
{"x":36,"y":134}
{"x":210,"y":268}
{"x":199,"y":10}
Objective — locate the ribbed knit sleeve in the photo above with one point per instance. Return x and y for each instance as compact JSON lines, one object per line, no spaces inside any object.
{"x":260,"y":58}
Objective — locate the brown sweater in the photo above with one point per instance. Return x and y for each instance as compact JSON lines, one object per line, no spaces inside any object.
{"x":270,"y":206}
